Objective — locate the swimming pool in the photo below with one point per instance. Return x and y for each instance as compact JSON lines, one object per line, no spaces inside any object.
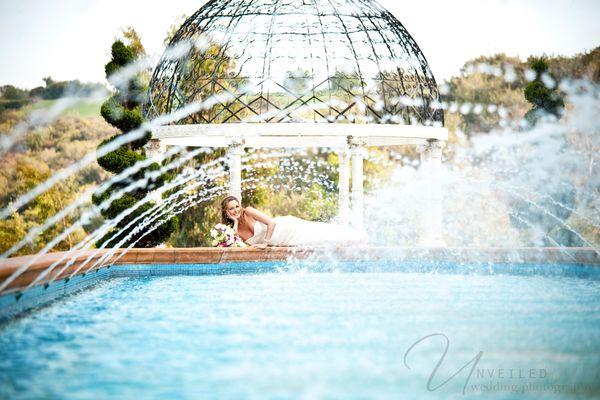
{"x":354,"y":331}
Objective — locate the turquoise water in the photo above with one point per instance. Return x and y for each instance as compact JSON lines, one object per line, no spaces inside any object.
{"x":313,"y":335}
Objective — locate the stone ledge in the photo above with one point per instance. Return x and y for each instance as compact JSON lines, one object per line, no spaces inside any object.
{"x":211,"y":255}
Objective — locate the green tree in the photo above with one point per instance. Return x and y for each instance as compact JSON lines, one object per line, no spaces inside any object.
{"x":556,"y":203}
{"x":478,"y":87}
{"x":123,"y":111}
{"x":57,"y":89}
{"x":13,"y":98}
{"x":543,"y":93}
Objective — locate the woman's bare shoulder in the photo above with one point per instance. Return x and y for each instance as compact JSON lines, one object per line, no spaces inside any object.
{"x":258,"y":215}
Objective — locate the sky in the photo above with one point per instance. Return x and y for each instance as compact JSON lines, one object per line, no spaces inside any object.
{"x":71,"y":39}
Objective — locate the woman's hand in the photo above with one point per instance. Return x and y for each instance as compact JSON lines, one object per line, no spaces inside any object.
{"x":235,"y":221}
{"x":231,"y":217}
{"x":261,"y":246}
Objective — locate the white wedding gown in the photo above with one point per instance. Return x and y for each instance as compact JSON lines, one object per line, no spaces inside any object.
{"x":293,"y":231}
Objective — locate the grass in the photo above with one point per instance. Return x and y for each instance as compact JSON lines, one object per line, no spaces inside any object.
{"x":82,"y":108}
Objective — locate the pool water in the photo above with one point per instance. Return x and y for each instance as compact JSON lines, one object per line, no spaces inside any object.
{"x":327,"y":335}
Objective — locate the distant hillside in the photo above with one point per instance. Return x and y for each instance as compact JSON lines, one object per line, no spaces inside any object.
{"x":36,"y":157}
{"x":14,"y":98}
{"x":477,"y":85}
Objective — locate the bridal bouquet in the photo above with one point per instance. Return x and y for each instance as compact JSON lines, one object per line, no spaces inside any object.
{"x":224,"y":236}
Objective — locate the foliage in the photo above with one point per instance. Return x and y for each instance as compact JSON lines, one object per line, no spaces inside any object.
{"x":10,"y":92}
{"x":581,"y":66}
{"x":206,"y":70}
{"x":477,"y":86}
{"x":123,"y":112}
{"x":203,"y":73}
{"x":121,"y":56}
{"x":134,"y":41}
{"x":20,"y":172}
{"x":37,"y":155}
{"x":174,"y":28}
{"x":74,"y":88}
{"x":484,"y":81}
{"x":124,"y":119}
{"x":480,"y":84}
{"x":120,"y":159}
{"x":345,"y":82}
{"x":543,"y":93}
{"x":13,"y":98}
{"x":557,"y":201}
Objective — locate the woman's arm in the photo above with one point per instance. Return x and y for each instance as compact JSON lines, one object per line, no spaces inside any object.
{"x":236,"y":224}
{"x":265,"y":219}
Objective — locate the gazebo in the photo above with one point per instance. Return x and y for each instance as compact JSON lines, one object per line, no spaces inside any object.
{"x":338,"y":74}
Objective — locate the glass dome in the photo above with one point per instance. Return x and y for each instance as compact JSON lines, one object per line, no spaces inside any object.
{"x":273,"y":61}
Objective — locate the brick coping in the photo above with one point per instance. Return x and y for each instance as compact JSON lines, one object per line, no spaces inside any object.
{"x":74,"y":264}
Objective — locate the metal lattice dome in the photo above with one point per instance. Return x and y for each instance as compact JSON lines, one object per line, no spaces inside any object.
{"x":345,"y":61}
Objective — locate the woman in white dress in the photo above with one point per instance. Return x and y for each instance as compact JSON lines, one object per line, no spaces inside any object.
{"x":259,"y":230}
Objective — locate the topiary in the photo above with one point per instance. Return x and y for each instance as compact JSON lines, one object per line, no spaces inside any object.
{"x":537,"y":93}
{"x":539,"y":65}
{"x":165,"y":229}
{"x":122,"y":111}
{"x":545,"y":100}
{"x":120,"y":159}
{"x":122,"y":54}
{"x":112,"y":111}
{"x":119,"y":205}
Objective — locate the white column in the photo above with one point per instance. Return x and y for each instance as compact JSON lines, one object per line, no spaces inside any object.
{"x":344,"y":184}
{"x":155,"y":151}
{"x":358,"y":152}
{"x":236,"y":150}
{"x":431,"y":169}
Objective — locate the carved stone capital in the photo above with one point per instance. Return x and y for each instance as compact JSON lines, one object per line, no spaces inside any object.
{"x":236,"y":146}
{"x":433,"y":148}
{"x":436,"y":145}
{"x":356,"y":141}
{"x":357,"y":146}
{"x":155,"y":150}
{"x":154,"y":145}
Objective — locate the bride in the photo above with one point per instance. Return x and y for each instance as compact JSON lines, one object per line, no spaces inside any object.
{"x":259,"y":230}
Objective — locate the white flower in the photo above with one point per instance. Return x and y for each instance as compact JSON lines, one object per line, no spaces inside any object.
{"x":224,"y":235}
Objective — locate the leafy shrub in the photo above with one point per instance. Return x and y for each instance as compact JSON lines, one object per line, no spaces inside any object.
{"x":122,"y":54}
{"x":545,"y":100}
{"x":118,"y":160}
{"x":119,"y":205}
{"x":123,"y":112}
